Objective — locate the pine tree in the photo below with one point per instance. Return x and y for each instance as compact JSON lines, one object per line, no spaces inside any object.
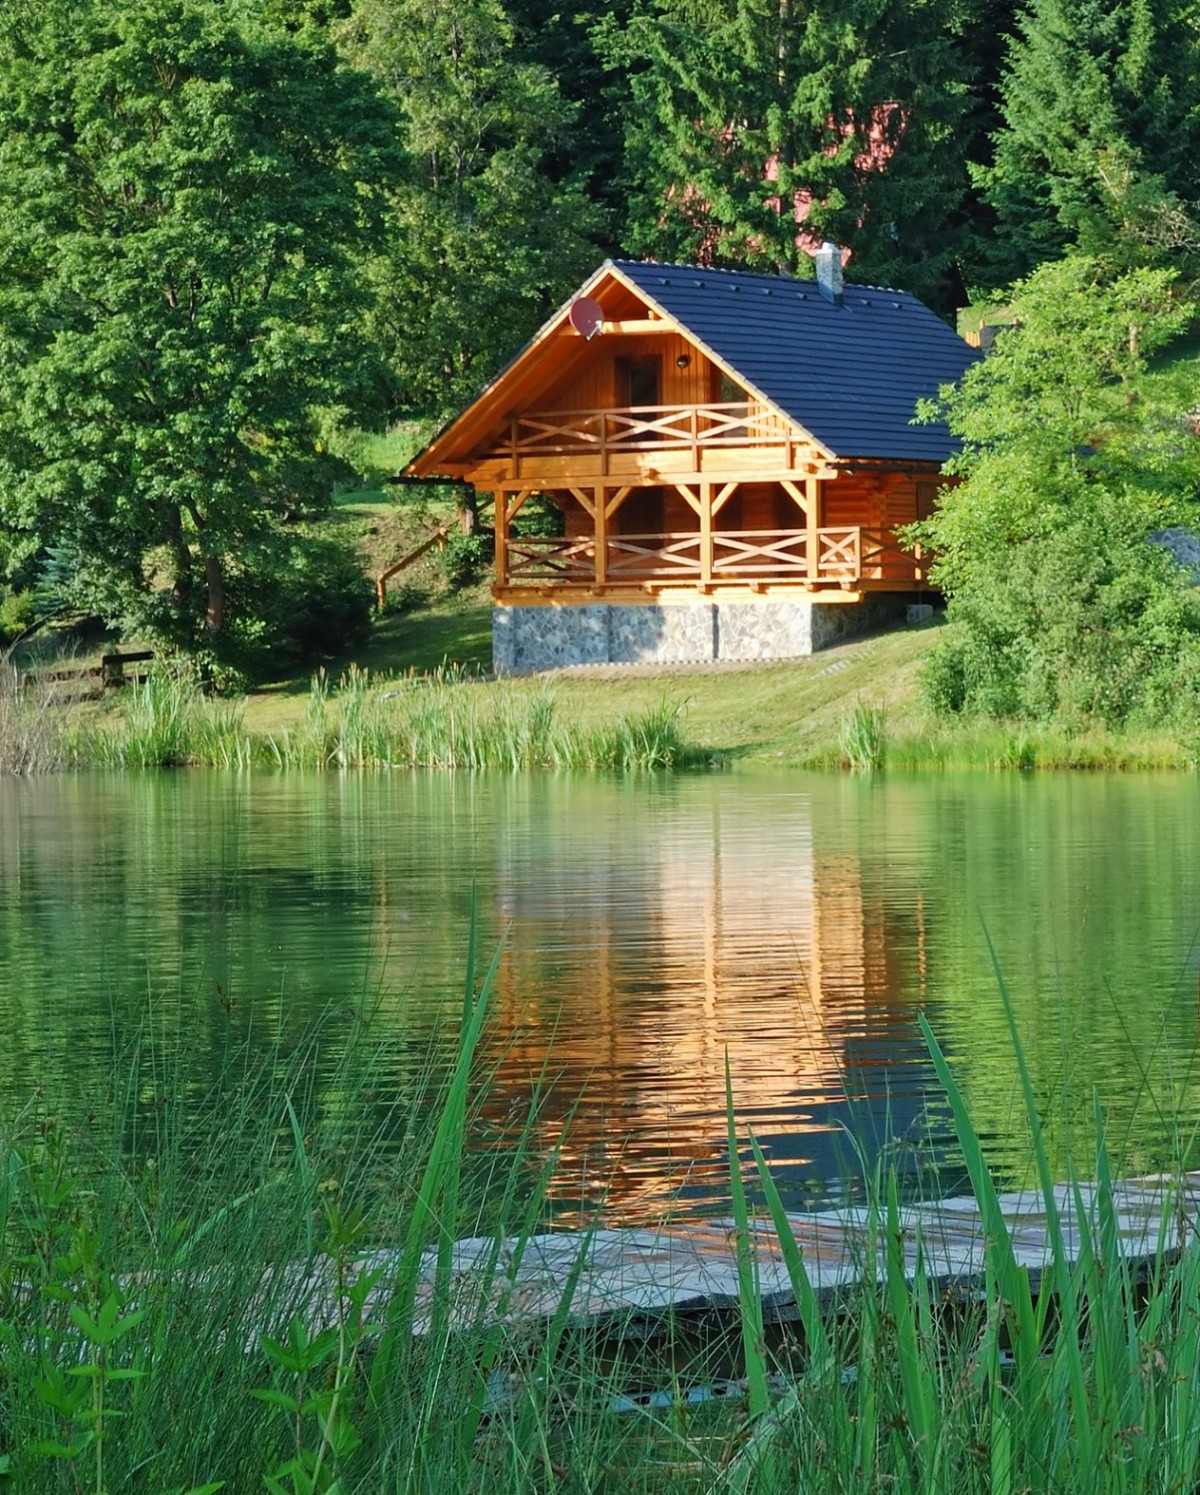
{"x":744,"y":109}
{"x":1100,"y":144}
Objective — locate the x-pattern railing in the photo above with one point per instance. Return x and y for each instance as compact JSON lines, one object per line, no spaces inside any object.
{"x":628,"y":429}
{"x":760,"y":552}
{"x":881,"y":557}
{"x":845,"y":554}
{"x":551,"y":558}
{"x":647,"y":555}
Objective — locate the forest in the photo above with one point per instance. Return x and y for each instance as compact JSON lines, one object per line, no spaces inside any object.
{"x":233,"y":230}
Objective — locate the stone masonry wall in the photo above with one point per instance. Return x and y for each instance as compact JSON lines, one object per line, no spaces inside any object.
{"x":528,"y":639}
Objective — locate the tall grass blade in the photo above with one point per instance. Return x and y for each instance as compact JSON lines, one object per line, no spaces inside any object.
{"x":1007,"y":1282}
{"x":749,"y":1297}
{"x":1064,"y":1280}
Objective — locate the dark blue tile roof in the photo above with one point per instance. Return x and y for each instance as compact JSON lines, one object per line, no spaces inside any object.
{"x":851,"y":375}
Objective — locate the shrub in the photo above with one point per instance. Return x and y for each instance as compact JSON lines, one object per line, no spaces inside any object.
{"x":17,"y":612}
{"x":465,"y":557}
{"x":315,"y":607}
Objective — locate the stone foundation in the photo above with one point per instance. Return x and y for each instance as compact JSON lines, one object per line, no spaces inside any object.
{"x":528,"y":639}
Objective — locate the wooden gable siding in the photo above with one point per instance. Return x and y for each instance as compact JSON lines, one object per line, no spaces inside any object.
{"x":595,"y":386}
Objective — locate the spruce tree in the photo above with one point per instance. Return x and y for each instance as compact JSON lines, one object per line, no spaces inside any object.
{"x":743,"y":108}
{"x":1100,"y":142}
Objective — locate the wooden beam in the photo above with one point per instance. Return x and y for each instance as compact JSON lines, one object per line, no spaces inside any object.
{"x":601,"y":519}
{"x":723,"y":497}
{"x":812,"y":544}
{"x":693,"y":500}
{"x":706,"y":535}
{"x":585,"y":499}
{"x":645,"y":467}
{"x":637,"y":324}
{"x":615,"y":502}
{"x":500,"y":498}
{"x":794,"y":493}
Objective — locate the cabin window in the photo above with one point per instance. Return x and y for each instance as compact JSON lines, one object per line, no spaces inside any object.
{"x":729,"y":391}
{"x":927,"y":497}
{"x":639,"y":381}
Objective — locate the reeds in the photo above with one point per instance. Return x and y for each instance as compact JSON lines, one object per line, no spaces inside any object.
{"x":445,"y":720}
{"x":219,"y":1290}
{"x":31,"y":736}
{"x":863,"y":739}
{"x":1091,"y":1384}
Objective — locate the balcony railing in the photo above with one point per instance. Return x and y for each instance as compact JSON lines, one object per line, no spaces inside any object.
{"x":843,"y":556}
{"x":642,"y":428}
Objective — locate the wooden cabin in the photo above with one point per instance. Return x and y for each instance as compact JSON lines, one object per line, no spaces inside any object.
{"x":720,"y":461}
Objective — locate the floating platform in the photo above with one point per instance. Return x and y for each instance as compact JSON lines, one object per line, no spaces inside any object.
{"x":639,"y":1278}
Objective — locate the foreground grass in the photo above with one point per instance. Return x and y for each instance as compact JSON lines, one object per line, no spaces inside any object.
{"x":220,"y":1291}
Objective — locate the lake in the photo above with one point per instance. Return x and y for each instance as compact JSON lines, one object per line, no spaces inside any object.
{"x":647,"y":928}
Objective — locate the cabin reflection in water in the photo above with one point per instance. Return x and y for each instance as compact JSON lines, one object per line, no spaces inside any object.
{"x":624,"y":984}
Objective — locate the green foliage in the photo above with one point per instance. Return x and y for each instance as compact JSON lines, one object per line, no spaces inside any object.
{"x":18,"y":609}
{"x":313,"y":604}
{"x":1100,"y":135}
{"x":465,"y":557}
{"x":1059,"y":604}
{"x":484,"y":238}
{"x":739,"y":106}
{"x":186,"y":196}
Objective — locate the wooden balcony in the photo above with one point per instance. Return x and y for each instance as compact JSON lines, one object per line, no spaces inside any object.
{"x":717,"y":438}
{"x":845,"y":558}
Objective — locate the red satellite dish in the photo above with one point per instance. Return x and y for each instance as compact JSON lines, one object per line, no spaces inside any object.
{"x":586,"y":316}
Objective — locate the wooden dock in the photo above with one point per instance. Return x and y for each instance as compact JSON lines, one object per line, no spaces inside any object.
{"x":642,"y":1277}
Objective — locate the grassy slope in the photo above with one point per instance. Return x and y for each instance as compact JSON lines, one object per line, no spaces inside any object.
{"x":785,"y":714}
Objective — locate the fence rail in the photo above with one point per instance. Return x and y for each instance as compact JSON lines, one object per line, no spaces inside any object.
{"x":642,"y":427}
{"x":91,"y":680}
{"x":848,"y":554}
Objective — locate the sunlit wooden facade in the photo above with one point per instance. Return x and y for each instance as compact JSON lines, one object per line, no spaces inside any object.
{"x":673,"y":453}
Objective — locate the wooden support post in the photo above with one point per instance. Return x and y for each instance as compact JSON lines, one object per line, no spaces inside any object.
{"x":601,"y":522}
{"x":812,"y":543}
{"x":500,"y":502}
{"x":706,"y":534}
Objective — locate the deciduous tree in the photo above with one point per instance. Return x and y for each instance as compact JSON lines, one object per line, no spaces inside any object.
{"x":1059,"y":602}
{"x":484,"y":239}
{"x":185,"y":196}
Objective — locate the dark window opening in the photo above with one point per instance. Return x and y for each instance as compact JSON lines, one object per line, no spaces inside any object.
{"x":639,"y":381}
{"x":927,"y":497}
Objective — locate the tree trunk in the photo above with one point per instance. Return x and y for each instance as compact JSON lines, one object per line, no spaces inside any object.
{"x":468,"y":510}
{"x":215,"y":614}
{"x":181,"y":587}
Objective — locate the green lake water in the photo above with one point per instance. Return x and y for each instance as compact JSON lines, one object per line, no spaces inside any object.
{"x":649,"y":927}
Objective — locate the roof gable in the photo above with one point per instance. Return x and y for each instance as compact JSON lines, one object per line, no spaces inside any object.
{"x":848,"y":377}
{"x":851,"y":375}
